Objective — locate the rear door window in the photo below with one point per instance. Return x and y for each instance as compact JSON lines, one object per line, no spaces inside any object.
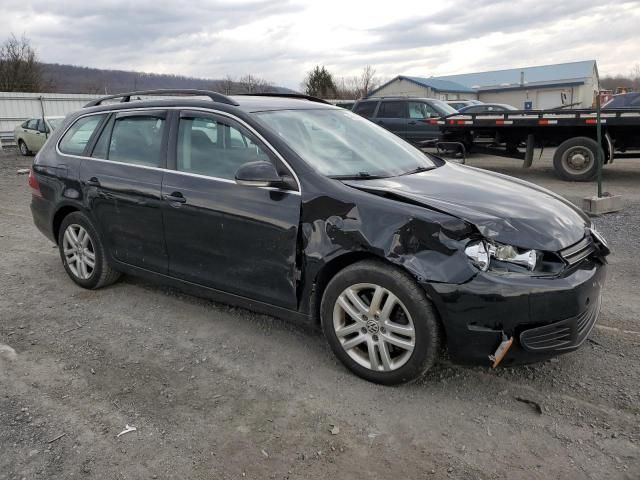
{"x":135,"y":139}
{"x":366,"y":109}
{"x":393,"y":109}
{"x":75,"y":140}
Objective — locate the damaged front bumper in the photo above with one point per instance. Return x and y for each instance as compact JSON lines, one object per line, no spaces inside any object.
{"x":544,"y":316}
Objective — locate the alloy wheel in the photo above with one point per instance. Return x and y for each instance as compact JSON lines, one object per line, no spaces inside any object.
{"x":374,"y":327}
{"x":23,"y":148}
{"x":79,"y":251}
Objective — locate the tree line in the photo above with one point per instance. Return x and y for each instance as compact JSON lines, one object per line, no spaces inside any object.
{"x":631,"y":81}
{"x":21,"y":71}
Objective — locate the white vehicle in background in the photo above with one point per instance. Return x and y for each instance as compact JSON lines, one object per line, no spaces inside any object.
{"x":31,"y":134}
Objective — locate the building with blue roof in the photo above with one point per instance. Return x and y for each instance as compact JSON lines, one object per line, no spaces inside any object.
{"x":568,"y":85}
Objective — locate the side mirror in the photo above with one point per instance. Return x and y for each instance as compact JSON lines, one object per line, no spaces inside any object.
{"x":259,"y":174}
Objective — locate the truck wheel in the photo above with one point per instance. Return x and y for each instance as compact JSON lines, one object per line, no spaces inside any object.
{"x":576,"y":159}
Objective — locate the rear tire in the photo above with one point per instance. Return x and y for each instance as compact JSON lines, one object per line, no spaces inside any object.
{"x":83,"y":254}
{"x":576,"y":159}
{"x":379,"y":323}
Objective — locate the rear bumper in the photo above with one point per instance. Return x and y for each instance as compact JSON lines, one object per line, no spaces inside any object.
{"x":545,"y":316}
{"x":42,"y":213}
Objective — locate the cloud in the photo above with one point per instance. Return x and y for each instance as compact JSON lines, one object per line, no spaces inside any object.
{"x":281,"y":40}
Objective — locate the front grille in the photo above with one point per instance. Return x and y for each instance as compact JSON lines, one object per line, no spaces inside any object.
{"x":563,"y":335}
{"x":579,"y":251}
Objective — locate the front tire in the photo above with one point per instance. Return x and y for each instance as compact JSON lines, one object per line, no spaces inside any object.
{"x":379,"y":323}
{"x":576,"y":159}
{"x":24,"y":150}
{"x":83,"y":254}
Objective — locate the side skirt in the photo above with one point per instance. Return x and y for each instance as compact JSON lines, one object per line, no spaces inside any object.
{"x":214,"y":294}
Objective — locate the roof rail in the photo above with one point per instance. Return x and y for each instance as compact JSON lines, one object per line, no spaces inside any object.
{"x":301,"y":96}
{"x":126,"y":97}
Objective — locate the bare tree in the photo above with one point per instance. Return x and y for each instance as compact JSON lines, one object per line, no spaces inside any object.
{"x":252,"y":84}
{"x":358,"y":86}
{"x":635,"y":77}
{"x":20,"y":70}
{"x":367,"y":81}
{"x":228,"y":85}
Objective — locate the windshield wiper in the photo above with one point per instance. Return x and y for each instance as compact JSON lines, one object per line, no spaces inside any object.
{"x":417,"y":170}
{"x":357,"y":176}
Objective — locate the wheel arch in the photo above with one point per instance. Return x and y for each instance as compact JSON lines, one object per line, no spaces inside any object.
{"x":59,"y":216}
{"x":338,"y":263}
{"x":328,"y":271}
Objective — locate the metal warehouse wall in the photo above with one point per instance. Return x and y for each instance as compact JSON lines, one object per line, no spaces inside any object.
{"x":542,"y":98}
{"x":16,"y":107}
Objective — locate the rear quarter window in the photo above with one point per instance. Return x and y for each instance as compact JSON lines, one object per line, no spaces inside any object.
{"x":77,"y":137}
{"x":366,"y":109}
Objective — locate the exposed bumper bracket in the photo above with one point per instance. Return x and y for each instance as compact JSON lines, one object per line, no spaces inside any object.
{"x":502,"y":350}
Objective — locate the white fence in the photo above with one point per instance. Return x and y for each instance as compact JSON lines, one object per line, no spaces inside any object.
{"x":16,"y":107}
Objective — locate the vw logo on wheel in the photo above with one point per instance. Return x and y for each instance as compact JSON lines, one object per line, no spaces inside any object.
{"x":373,"y":327}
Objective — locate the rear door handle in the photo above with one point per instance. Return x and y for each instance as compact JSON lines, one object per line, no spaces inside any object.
{"x":93,"y":182}
{"x":175,"y":197}
{"x":412,"y":122}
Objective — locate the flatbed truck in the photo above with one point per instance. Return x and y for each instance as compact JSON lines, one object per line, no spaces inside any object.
{"x":516,"y":133}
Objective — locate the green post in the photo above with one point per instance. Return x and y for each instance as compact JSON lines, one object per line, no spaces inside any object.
{"x":600,"y":150}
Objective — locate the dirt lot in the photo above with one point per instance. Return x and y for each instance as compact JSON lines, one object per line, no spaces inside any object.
{"x":218,"y":392}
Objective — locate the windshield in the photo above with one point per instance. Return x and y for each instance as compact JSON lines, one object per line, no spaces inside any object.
{"x":443,"y":108}
{"x":54,"y":122}
{"x":338,"y":143}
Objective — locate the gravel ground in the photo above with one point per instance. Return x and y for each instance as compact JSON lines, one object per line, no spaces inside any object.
{"x":219,"y":392}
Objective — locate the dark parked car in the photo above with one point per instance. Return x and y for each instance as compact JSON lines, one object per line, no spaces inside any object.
{"x":406,"y":117}
{"x":458,"y":104}
{"x":487,"y":107}
{"x":624,"y":100}
{"x":297,"y":208}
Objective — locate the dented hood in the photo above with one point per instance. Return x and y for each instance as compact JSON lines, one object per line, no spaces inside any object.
{"x":505,"y":209}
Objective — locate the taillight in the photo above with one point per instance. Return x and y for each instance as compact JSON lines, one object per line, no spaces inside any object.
{"x":33,"y":184}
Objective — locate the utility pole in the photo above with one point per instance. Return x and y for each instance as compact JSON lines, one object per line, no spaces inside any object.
{"x":600,"y":149}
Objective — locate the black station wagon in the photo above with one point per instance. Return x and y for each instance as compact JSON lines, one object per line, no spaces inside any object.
{"x":290,"y":206}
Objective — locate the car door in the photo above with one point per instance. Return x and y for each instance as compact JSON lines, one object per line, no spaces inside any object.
{"x":419,"y":128}
{"x":40,"y":135}
{"x":234,"y":238}
{"x":31,"y":135}
{"x":392,"y":115}
{"x":122,"y":186}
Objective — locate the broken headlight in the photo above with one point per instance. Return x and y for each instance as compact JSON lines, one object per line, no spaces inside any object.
{"x":482,"y":253}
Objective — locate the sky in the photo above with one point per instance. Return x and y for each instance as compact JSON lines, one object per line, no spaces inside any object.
{"x":281,"y":40}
